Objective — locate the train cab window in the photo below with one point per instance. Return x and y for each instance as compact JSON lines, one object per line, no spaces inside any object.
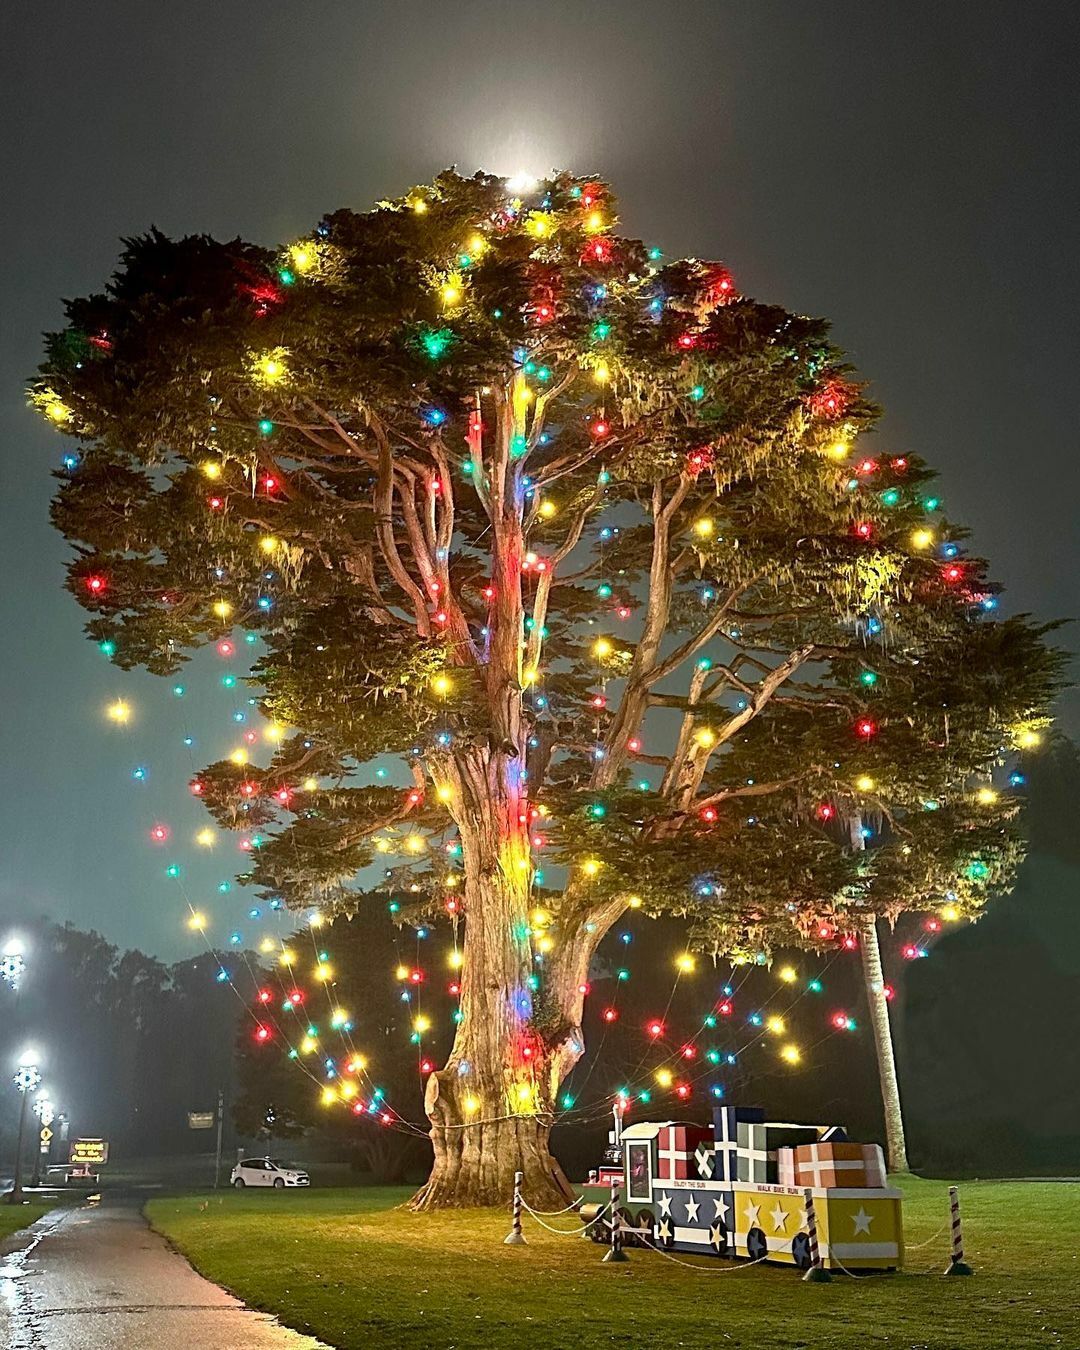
{"x":638,"y":1172}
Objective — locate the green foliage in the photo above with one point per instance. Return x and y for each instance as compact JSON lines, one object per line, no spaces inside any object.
{"x":435,"y":451}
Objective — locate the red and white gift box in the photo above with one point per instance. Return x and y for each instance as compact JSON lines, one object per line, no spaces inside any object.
{"x":676,"y":1145}
{"x":831,"y":1165}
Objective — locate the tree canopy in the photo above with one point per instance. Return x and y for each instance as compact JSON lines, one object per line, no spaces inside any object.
{"x":467,"y":448}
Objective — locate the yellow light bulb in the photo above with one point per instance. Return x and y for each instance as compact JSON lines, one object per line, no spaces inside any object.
{"x":308,"y":1044}
{"x":402,"y":972}
{"x":419,"y":205}
{"x":451,"y":291}
{"x":316,"y":919}
{"x":382,"y":844}
{"x":222,"y":608}
{"x":602,"y":647}
{"x":664,"y":1077}
{"x":864,"y":783}
{"x":310,"y":784}
{"x":57,"y":411}
{"x":591,"y":867}
{"x":442,"y":685}
{"x":602,"y":372}
{"x":706,"y":737}
{"x":205,"y":838}
{"x":357,"y":1064}
{"x":529,"y":675}
{"x":524,"y":1092}
{"x":422,"y":1024}
{"x":634,"y":901}
{"x":788,"y":974}
{"x":270,"y":368}
{"x":685,"y":963}
{"x":986,"y":796}
{"x":274,"y":732}
{"x":1028,"y":740}
{"x":197,"y":921}
{"x":838,"y":450}
{"x":415,"y":843}
{"x":471,"y":1105}
{"x":303,"y":257}
{"x":266,"y":946}
{"x":444,"y":793}
{"x":322,"y":972}
{"x":547,"y":509}
{"x":775,"y":1025}
{"x":950,"y":914}
{"x":545,"y":944}
{"x":268,"y":543}
{"x":287,"y":957}
{"x":539,"y":225}
{"x":455,"y":960}
{"x":211,"y":469}
{"x":329,"y":1096}
{"x":239,"y":755}
{"x":477,"y":245}
{"x":922,"y":538}
{"x":119,"y":712}
{"x":791,"y":1054}
{"x":594,"y":221}
{"x":348,"y":1091}
{"x":703,"y":528}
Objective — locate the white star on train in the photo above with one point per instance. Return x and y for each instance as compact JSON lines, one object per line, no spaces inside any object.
{"x":779,"y":1216}
{"x":663,"y":1230}
{"x":751,"y":1212}
{"x":691,"y":1210}
{"x":720,"y":1206}
{"x":862,"y":1221}
{"x":665,"y":1205}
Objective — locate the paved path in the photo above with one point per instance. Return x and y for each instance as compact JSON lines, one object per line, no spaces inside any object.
{"x":98,"y":1278}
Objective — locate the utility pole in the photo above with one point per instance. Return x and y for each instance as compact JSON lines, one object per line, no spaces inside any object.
{"x":220,"y":1118}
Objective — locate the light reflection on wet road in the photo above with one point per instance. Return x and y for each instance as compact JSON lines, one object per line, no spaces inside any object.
{"x":98,"y":1278}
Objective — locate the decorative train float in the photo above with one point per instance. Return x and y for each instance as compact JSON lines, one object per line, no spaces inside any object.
{"x":738,"y":1190}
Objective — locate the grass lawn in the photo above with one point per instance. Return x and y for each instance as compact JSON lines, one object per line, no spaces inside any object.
{"x":350,"y":1268}
{"x":14,"y":1217}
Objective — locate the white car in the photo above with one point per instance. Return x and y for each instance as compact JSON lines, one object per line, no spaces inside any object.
{"x":267,"y":1172}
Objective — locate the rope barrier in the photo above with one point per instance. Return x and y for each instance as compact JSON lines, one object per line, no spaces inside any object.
{"x":702,"y":1270}
{"x":554,"y":1213}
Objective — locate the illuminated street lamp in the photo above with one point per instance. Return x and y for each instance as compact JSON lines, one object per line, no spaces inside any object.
{"x":12,"y":963}
{"x":26,"y":1077}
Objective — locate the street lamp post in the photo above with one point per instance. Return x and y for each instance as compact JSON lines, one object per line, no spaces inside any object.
{"x":27,"y":1077}
{"x":12,"y":963}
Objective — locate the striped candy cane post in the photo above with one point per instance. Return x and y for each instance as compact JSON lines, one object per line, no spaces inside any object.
{"x":615,"y":1251}
{"x":817,"y":1274}
{"x":957,"y":1264}
{"x":515,"y":1237}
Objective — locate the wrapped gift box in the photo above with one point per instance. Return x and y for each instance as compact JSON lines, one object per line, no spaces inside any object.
{"x":841,"y":1164}
{"x":676,"y":1151}
{"x":723,"y":1163}
{"x":756,"y":1157}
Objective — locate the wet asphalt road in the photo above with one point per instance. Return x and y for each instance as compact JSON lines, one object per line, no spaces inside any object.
{"x":98,"y":1278}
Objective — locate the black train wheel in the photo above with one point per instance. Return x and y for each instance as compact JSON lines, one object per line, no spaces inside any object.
{"x":757,"y":1245}
{"x":800,"y":1250}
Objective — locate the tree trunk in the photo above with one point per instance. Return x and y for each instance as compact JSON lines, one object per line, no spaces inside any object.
{"x":874,"y":981}
{"x":492,"y":1106}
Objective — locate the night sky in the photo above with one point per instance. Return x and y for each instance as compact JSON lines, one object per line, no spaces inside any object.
{"x":910,"y":171}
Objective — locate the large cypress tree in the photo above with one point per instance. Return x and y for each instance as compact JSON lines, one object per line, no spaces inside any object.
{"x":588,"y":537}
